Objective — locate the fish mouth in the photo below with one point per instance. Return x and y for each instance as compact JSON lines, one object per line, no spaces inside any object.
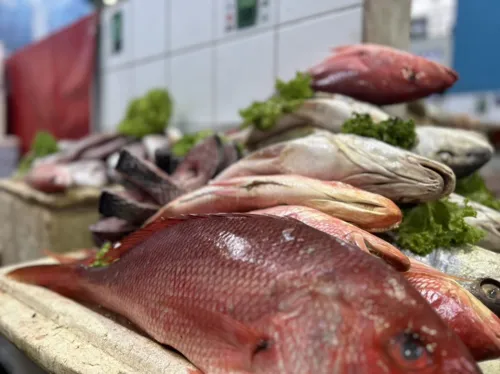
{"x":486,"y":290}
{"x":440,"y":178}
{"x":473,"y":161}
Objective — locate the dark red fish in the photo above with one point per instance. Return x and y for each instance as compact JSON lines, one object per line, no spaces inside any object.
{"x":240,"y":293}
{"x":380,"y":75}
{"x":49,"y":178}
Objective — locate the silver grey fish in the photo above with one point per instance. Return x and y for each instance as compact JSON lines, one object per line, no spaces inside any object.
{"x":487,"y":219}
{"x":366,"y":163}
{"x":324,"y":111}
{"x":470,"y":262}
{"x":464,"y":151}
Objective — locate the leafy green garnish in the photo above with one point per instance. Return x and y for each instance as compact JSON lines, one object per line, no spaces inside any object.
{"x":289,"y":96}
{"x":100,"y":261}
{"x":43,"y":144}
{"x":438,"y":224}
{"x":146,"y":115}
{"x":474,"y":188}
{"x":188,"y":141}
{"x":393,"y":131}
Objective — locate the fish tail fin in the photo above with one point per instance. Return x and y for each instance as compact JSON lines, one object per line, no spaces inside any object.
{"x":63,"y":279}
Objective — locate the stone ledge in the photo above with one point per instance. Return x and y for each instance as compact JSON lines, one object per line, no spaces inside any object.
{"x":63,"y":336}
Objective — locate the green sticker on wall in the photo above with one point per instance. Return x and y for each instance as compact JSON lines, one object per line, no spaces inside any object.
{"x":117,"y":32}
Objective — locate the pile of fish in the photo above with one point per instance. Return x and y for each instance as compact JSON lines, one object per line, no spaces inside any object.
{"x":273,"y":261}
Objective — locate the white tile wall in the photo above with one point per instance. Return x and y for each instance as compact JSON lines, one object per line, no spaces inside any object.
{"x":191,"y":23}
{"x":109,"y":60}
{"x":303,"y":44}
{"x":151,"y":75}
{"x":191,"y":87}
{"x":151,"y":28}
{"x":211,"y":72}
{"x":238,"y":64}
{"x":292,"y":10}
{"x":117,"y":91}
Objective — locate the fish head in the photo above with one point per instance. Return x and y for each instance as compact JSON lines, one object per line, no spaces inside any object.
{"x":371,"y":324}
{"x":345,"y":202}
{"x":486,"y":290}
{"x":402,"y":176}
{"x":464,"y":151}
{"x":49,"y":178}
{"x":464,"y":305}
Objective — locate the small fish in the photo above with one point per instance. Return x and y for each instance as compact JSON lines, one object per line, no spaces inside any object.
{"x":166,"y":160}
{"x":474,"y":323}
{"x":233,"y":295}
{"x":366,"y":163}
{"x":102,"y":151}
{"x":487,"y":219}
{"x":147,"y":177}
{"x":364,"y":209}
{"x":56,"y":178}
{"x":463,"y":151}
{"x":115,"y":204}
{"x":344,"y":231}
{"x":380,"y":75}
{"x":49,"y":178}
{"x":469,"y":262}
{"x":152,"y":143}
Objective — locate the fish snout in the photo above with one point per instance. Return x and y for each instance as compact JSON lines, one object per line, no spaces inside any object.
{"x":430,"y":179}
{"x":472,"y":161}
{"x":486,"y":290}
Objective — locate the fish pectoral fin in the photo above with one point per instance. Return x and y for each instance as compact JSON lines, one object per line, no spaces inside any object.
{"x":236,"y":341}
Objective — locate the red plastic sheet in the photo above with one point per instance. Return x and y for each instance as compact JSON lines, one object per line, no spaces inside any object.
{"x":50,"y":81}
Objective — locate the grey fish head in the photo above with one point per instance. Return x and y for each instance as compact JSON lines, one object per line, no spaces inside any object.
{"x":487,"y":219}
{"x":486,"y":290}
{"x":464,"y":151}
{"x":399,"y":175}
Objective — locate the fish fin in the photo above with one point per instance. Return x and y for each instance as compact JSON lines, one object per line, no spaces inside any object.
{"x":63,"y":279}
{"x":137,"y":237}
{"x":238,"y":340}
{"x":66,"y":259}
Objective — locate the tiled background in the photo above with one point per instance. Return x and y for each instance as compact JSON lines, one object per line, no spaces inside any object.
{"x":183,"y":45}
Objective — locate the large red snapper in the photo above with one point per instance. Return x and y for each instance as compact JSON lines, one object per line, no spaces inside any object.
{"x":259,"y":294}
{"x":380,"y":75}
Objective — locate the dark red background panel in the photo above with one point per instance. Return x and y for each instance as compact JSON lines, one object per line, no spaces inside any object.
{"x":50,"y":81}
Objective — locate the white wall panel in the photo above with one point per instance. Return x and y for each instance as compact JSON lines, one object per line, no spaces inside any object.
{"x":150,"y":22}
{"x":191,"y":23}
{"x":126,"y":55}
{"x":292,"y":10}
{"x":118,"y":90}
{"x":151,"y":75}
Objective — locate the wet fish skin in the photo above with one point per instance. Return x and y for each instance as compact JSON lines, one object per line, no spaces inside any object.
{"x":380,"y":75}
{"x":464,"y":151}
{"x":90,"y":173}
{"x":344,"y":231}
{"x":364,"y":209}
{"x":476,"y":325}
{"x":366,"y":163}
{"x":470,"y":262}
{"x":49,"y":178}
{"x":487,"y":219}
{"x":102,"y":151}
{"x":235,"y":294}
{"x":114,"y":204}
{"x":147,"y":177}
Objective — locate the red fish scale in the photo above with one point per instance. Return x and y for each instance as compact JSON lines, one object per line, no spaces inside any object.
{"x":278,"y":277}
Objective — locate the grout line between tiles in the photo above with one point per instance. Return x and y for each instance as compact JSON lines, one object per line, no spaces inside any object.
{"x":225,"y":40}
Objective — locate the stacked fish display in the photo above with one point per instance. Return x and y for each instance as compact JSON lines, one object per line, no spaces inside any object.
{"x":287,"y":258}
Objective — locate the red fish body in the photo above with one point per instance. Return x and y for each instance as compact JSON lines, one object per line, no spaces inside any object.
{"x":49,"y":178}
{"x":259,"y":294}
{"x":474,"y":323}
{"x":380,"y":75}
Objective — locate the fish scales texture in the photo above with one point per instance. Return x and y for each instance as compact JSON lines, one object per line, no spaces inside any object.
{"x":259,"y":294}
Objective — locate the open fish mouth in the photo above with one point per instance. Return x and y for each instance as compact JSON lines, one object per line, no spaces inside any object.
{"x":441,"y":174}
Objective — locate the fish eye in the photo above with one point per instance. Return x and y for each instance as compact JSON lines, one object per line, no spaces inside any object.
{"x":445,"y":155}
{"x":408,"y":351}
{"x":491,"y":289}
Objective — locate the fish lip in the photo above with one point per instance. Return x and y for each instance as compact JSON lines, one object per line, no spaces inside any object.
{"x":441,"y":171}
{"x":475,"y":160}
